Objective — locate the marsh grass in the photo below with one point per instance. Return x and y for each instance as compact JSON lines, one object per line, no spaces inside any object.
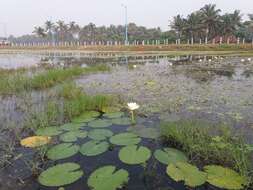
{"x":69,"y":101}
{"x":206,"y":144}
{"x":15,"y":82}
{"x":77,"y":102}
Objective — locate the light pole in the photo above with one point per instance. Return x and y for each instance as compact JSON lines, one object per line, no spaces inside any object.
{"x":126,"y":31}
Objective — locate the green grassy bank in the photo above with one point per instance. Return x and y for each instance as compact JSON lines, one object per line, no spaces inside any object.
{"x":12,"y":82}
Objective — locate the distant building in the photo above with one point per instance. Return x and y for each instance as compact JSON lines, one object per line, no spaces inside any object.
{"x":225,"y":39}
{"x":4,"y":42}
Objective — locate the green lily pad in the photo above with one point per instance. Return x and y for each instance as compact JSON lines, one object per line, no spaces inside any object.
{"x":144,"y":132}
{"x":49,"y":131}
{"x":124,"y":139}
{"x":224,"y":178}
{"x":86,"y":117}
{"x":122,"y":121}
{"x":93,"y":148}
{"x":100,"y":134}
{"x":107,"y":178}
{"x":134,"y":155}
{"x":60,"y":175}
{"x":71,"y":126}
{"x":113,"y":115}
{"x":170,"y":156}
{"x":72,"y":136}
{"x":100,"y":123}
{"x":62,"y":151}
{"x":188,"y":173}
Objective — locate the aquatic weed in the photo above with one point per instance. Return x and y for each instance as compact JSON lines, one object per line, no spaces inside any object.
{"x":204,"y":146}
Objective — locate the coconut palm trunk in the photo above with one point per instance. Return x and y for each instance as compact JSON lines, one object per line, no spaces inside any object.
{"x":207,"y":33}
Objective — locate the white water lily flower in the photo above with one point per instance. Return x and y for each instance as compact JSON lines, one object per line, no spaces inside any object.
{"x":134,"y":66}
{"x":242,"y":60}
{"x":249,"y":59}
{"x":133,"y":106}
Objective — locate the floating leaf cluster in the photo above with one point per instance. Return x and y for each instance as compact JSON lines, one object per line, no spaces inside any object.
{"x":87,"y":126}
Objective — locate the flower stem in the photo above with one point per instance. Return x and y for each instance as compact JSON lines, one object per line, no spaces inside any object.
{"x":132,"y":114}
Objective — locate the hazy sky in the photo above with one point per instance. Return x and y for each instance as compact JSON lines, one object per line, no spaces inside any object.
{"x":22,"y":15}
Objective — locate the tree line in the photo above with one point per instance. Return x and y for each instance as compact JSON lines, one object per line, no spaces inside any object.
{"x":205,"y":24}
{"x":71,"y":32}
{"x":208,"y":23}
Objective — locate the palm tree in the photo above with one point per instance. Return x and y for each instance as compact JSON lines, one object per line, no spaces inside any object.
{"x":193,"y":25}
{"x":61,"y":28}
{"x":91,"y":28}
{"x":227,"y":26}
{"x":40,"y":32}
{"x":74,"y":29}
{"x":210,"y":18}
{"x":230,"y":23}
{"x":49,"y":26}
{"x":250,"y":17}
{"x":178,"y":24}
{"x":236,"y":18}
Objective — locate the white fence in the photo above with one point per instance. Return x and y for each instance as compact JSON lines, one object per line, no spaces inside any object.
{"x":119,"y":43}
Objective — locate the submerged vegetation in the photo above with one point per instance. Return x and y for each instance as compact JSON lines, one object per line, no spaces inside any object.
{"x":210,"y":145}
{"x":15,"y":82}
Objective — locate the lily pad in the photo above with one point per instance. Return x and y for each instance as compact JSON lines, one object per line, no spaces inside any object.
{"x":108,"y":178}
{"x":224,"y":178}
{"x":124,"y":139}
{"x":144,"y":132}
{"x":72,"y":126}
{"x":100,"y":123}
{"x":122,"y":121}
{"x":86,"y":117}
{"x":93,"y":148}
{"x":170,"y":156}
{"x":72,"y":136}
{"x":113,"y":115}
{"x":60,"y":175}
{"x":49,"y":131}
{"x":188,"y":173}
{"x":62,"y":151}
{"x":100,"y":134}
{"x":35,"y":141}
{"x":134,"y":155}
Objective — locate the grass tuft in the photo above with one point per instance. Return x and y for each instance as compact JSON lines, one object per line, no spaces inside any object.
{"x":70,"y":101}
{"x":207,"y":144}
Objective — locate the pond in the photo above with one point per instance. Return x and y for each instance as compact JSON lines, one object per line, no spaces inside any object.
{"x":213,"y":88}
